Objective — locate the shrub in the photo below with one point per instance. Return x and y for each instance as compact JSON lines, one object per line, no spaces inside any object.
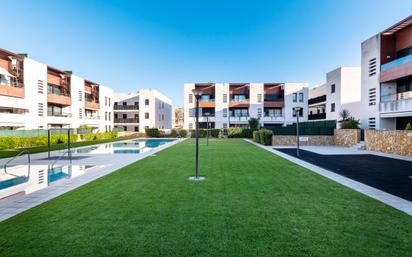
{"x":178,"y":133}
{"x":215,"y":133}
{"x":408,"y":126}
{"x":11,"y":142}
{"x":153,"y":132}
{"x":234,"y":132}
{"x":247,"y":133}
{"x":263,"y":136}
{"x":98,"y":136}
{"x":254,"y":123}
{"x":202,"y":133}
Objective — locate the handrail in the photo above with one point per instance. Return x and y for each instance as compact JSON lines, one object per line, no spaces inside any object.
{"x":58,"y":159}
{"x":12,"y":159}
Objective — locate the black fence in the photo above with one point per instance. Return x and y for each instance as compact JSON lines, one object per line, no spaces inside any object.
{"x":310,"y":128}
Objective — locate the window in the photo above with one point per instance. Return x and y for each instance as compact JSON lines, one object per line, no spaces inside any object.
{"x":372,"y":67}
{"x":124,"y":128}
{"x":300,"y":112}
{"x":136,"y":116}
{"x":40,"y":86}
{"x":110,"y":116}
{"x":124,"y":103}
{"x":115,"y":115}
{"x":225,"y":98}
{"x":163,"y":117}
{"x":190,"y":98}
{"x":372,"y":123}
{"x":80,"y":113}
{"x":301,"y":97}
{"x":105,"y":116}
{"x":295,"y":97}
{"x":332,"y":88}
{"x":163,"y":105}
{"x":136,"y":129}
{"x":109,"y":105}
{"x":146,"y":101}
{"x":146,"y":115}
{"x":80,"y":96}
{"x":40,"y":109}
{"x":136,"y":103}
{"x":224,"y":112}
{"x":124,"y":116}
{"x":259,"y":98}
{"x":105,"y":101}
{"x":372,"y":96}
{"x":332,"y":107}
{"x":259,"y":112}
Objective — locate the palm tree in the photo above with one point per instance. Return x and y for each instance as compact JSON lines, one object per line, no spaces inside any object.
{"x":347,"y":121}
{"x":344,"y":115}
{"x":254,"y":123}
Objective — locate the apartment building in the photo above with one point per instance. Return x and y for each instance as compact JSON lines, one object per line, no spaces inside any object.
{"x":226,"y":105}
{"x":387,"y":78}
{"x":147,"y":108}
{"x":34,"y":95}
{"x":342,"y":90}
{"x":178,"y":117}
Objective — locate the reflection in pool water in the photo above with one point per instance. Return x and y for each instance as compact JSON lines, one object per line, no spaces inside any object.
{"x":126,"y":147}
{"x":24,"y":179}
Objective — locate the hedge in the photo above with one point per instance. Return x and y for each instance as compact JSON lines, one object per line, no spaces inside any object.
{"x":178,"y":133}
{"x":263,"y":136}
{"x":153,"y":132}
{"x":11,"y":142}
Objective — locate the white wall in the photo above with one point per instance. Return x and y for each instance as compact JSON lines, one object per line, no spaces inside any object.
{"x":290,"y":89}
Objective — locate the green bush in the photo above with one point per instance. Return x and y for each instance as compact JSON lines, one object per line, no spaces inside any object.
{"x":408,"y":126}
{"x":11,"y":142}
{"x":98,"y":136}
{"x":263,"y":136}
{"x":202,"y":133}
{"x":247,"y":133}
{"x":215,"y":133}
{"x":178,"y":133}
{"x":234,"y":132}
{"x":153,"y":132}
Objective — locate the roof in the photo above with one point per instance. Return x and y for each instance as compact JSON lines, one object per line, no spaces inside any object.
{"x":398,"y":26}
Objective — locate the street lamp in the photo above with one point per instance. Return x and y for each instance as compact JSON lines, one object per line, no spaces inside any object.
{"x":297,"y":111}
{"x":197,"y":93}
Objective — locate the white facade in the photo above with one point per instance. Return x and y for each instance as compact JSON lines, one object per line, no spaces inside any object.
{"x":342,"y":90}
{"x":233,"y":104}
{"x":147,"y":108}
{"x":30,"y":108}
{"x":386,"y":78}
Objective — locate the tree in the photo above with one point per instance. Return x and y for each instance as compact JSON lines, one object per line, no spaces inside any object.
{"x":408,"y":126}
{"x":347,"y":121}
{"x":254,"y":123}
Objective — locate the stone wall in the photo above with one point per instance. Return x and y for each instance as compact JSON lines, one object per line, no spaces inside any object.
{"x":393,"y":141}
{"x":347,"y":137}
{"x":304,"y":140}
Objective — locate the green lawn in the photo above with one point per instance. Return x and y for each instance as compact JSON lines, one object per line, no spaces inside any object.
{"x":253,"y":203}
{"x":39,"y":149}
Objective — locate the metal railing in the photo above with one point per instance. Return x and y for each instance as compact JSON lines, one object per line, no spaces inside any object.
{"x":318,"y":99}
{"x":59,"y":114}
{"x":19,"y":154}
{"x":126,"y":120}
{"x":11,"y":83}
{"x":126,"y":107}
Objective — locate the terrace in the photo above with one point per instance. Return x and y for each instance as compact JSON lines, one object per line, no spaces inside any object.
{"x":11,"y":74}
{"x":239,"y":95}
{"x":274,"y":95}
{"x":58,"y":87}
{"x":91,"y":95}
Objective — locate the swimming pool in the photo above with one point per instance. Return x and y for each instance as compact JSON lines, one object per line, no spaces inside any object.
{"x":24,"y":179}
{"x":134,"y":146}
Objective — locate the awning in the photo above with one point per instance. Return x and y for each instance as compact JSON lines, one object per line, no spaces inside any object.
{"x":4,"y":72}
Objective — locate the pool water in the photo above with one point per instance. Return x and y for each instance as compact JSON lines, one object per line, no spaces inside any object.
{"x":134,"y":146}
{"x":25,"y":179}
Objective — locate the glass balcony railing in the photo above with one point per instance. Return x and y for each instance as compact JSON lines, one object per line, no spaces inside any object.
{"x":59,"y":114}
{"x":11,"y":83}
{"x":396,"y":63}
{"x":396,"y":97}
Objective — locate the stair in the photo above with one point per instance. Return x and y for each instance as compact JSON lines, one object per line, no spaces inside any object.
{"x":360,"y":146}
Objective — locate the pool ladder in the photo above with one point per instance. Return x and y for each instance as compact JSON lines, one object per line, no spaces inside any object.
{"x":19,"y":154}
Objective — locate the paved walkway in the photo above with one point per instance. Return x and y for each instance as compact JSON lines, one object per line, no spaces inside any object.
{"x":103,"y":165}
{"x":389,"y":199}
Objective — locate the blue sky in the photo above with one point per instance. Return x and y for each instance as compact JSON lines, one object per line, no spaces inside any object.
{"x":129,"y":45}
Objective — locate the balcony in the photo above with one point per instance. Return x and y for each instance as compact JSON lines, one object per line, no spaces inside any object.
{"x":239,"y":102}
{"x":396,"y":69}
{"x":13,"y":89}
{"x":59,"y":114}
{"x":92,"y":117}
{"x":126,"y":120}
{"x":207,"y":103}
{"x":317,"y":116}
{"x":316,"y":100}
{"x":91,"y":104}
{"x":273,"y":118}
{"x":207,"y":119}
{"x":239,"y":118}
{"x":126,"y":107}
{"x":396,"y":105}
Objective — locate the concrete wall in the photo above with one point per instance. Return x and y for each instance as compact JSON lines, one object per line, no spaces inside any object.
{"x":347,"y":137}
{"x":394,"y":141}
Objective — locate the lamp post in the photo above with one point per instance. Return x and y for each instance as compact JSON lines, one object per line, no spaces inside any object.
{"x":297,"y":111}
{"x":197,"y":93}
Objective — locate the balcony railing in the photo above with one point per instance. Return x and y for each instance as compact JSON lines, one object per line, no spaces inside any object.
{"x":207,"y":100}
{"x":126,"y":120}
{"x":396,"y":63}
{"x":11,"y":83}
{"x":92,"y":117}
{"x":317,"y":116}
{"x":273,"y":97}
{"x":59,"y":114}
{"x":90,"y":100}
{"x":239,"y":100}
{"x":126,"y":107}
{"x":396,"y":97}
{"x":318,"y":99}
